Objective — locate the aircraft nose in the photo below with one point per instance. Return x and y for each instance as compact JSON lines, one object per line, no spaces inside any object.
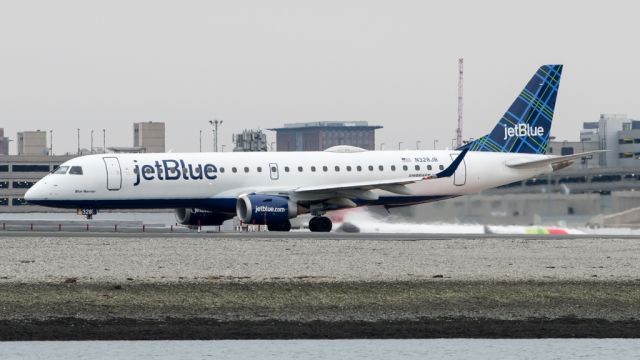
{"x":36,"y":192}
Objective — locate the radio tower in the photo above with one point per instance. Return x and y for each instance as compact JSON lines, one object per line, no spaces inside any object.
{"x":459,"y":129}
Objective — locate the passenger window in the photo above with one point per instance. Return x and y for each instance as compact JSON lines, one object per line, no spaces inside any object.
{"x":393,"y":168}
{"x":286,"y":169}
{"x":429,"y":167}
{"x":61,"y":170}
{"x":370,"y":167}
{"x":221,"y":169}
{"x":259,"y":169}
{"x":418,"y":167}
{"x":234,"y":169}
{"x":348,"y":168}
{"x":324,"y":168}
{"x":381,"y":168}
{"x":441,"y":167}
{"x":337,"y":168}
{"x":274,"y":169}
{"x":359,"y":168}
{"x":405,"y":167}
{"x":246,"y":169}
{"x":313,"y":169}
{"x":299,"y":168}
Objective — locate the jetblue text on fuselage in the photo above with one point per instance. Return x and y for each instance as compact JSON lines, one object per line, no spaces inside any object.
{"x":173,"y":170}
{"x":520,"y":130}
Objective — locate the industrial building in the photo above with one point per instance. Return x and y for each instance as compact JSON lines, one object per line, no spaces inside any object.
{"x":318,"y":136}
{"x":250,"y":141}
{"x":32,"y":143}
{"x":18,"y":173}
{"x":4,"y":143}
{"x":150,"y":136}
{"x":614,"y":132}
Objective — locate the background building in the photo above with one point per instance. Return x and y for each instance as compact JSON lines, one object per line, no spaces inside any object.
{"x":19,"y":173}
{"x":4,"y":143}
{"x":318,"y":136}
{"x":250,"y":140}
{"x":613,"y":132}
{"x":150,"y":136}
{"x":32,"y":143}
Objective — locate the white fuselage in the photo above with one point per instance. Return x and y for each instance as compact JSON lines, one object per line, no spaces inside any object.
{"x":214,"y":181}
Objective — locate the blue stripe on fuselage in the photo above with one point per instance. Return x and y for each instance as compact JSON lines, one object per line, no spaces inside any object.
{"x":224,"y":205}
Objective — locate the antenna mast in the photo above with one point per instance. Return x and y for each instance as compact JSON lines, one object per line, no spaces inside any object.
{"x":460,"y":78}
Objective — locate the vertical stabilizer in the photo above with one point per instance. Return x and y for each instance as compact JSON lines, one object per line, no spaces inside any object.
{"x":525,"y":127}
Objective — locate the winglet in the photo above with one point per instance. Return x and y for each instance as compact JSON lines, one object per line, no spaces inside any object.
{"x":452,"y":168}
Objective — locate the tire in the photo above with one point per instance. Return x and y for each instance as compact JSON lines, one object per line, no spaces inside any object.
{"x":320,"y":224}
{"x":281,"y":226}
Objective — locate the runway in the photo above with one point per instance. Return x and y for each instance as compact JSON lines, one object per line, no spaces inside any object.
{"x":293,"y":285}
{"x":331,"y":257}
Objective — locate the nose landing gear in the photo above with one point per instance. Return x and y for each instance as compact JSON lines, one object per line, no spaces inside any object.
{"x":280,"y":226}
{"x":320,"y":224}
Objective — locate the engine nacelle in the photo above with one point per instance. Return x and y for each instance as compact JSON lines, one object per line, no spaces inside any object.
{"x":265,"y":209}
{"x":196,"y":217}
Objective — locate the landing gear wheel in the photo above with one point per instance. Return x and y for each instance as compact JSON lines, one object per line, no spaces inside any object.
{"x":320,"y":224}
{"x":281,"y":226}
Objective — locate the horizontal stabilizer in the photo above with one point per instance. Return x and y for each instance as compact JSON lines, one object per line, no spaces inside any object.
{"x":557,"y":162}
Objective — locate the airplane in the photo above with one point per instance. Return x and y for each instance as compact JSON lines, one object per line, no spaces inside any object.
{"x":270,"y":188}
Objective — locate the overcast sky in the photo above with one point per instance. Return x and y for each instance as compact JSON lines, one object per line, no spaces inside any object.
{"x":259,"y":64}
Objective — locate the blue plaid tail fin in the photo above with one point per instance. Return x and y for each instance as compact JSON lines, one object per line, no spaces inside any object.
{"x":525,"y":127}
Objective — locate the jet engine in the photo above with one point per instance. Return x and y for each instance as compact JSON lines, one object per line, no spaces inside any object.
{"x":266,"y":209}
{"x":196,"y":217}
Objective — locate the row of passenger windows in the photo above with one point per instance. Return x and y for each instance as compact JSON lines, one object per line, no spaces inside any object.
{"x":336,"y":168}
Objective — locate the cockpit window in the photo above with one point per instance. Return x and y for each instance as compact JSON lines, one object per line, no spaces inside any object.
{"x":61,"y":170}
{"x":76,"y":170}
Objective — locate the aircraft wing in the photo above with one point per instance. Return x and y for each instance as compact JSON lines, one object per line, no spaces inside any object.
{"x":363,"y":189}
{"x":557,"y":162}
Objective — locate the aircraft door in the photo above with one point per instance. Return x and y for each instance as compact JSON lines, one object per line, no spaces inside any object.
{"x":273,"y":171}
{"x":114,"y":173}
{"x":460,"y":176}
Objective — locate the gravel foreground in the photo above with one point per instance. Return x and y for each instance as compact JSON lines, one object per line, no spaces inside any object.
{"x":301,"y":309}
{"x":128,"y":288}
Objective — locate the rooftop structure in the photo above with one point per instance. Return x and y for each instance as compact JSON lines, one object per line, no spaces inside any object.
{"x":150,"y":136}
{"x":32,"y":143}
{"x":250,"y":140}
{"x":318,"y":136}
{"x":4,"y":143}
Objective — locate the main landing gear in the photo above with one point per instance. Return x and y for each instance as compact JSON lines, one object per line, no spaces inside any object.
{"x":320,"y":224}
{"x":280,"y":226}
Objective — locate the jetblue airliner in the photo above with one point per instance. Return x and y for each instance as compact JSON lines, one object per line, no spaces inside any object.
{"x":271,"y":188}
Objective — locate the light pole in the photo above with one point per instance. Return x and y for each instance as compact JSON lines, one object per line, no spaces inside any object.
{"x":418,"y":144}
{"x":104,"y":141}
{"x":434,"y":143}
{"x":200,"y":140}
{"x":78,"y":141}
{"x":381,"y":146}
{"x":51,"y":142}
{"x":399,"y":144}
{"x":215,"y":123}
{"x":92,"y":141}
